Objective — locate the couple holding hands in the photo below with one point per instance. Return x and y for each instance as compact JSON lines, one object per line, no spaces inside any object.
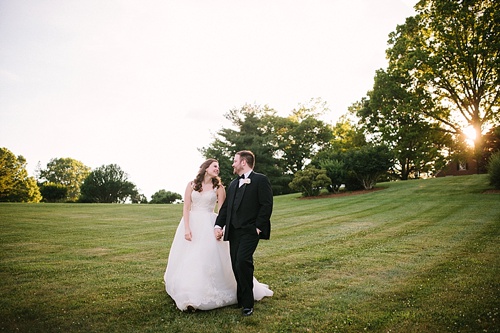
{"x":210,"y":264}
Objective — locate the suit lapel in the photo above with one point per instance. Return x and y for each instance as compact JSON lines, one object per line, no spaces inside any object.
{"x":242,"y":190}
{"x":234,"y":188}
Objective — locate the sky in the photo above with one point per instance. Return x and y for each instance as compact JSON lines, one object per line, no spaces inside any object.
{"x":145,"y":83}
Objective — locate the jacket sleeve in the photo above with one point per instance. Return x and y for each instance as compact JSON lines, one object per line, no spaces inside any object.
{"x":265,"y":194}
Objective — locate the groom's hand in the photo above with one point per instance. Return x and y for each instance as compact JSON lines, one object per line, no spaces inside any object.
{"x":218,"y":233}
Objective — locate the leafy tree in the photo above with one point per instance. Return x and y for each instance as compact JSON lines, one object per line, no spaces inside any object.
{"x":346,"y":136}
{"x":67,"y":172}
{"x":52,"y":192}
{"x":15,"y":184}
{"x":392,"y":114}
{"x":300,"y":136}
{"x":368,"y":163}
{"x":346,"y":133}
{"x":491,"y":143}
{"x":452,"y":50}
{"x":107,"y":184}
{"x":164,"y":197}
{"x":310,"y":181}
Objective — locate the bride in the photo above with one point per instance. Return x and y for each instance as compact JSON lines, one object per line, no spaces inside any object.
{"x":199,"y":274}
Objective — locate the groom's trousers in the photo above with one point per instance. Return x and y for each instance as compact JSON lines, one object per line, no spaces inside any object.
{"x":242,"y":245}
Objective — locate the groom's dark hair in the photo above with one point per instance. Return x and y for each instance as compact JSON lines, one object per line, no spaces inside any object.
{"x":248,"y":156}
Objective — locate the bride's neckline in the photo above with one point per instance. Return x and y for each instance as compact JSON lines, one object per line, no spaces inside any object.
{"x":207,"y":187}
{"x":203,"y":193}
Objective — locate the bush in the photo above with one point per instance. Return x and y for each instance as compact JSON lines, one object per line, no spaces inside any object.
{"x":52,"y":192}
{"x":368,"y":163}
{"x":310,"y":181}
{"x":494,"y":170}
{"x":352,"y":183}
{"x":165,"y":197}
{"x":335,"y":170}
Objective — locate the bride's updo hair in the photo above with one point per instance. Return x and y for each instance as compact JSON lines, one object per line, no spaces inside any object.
{"x":197,"y":182}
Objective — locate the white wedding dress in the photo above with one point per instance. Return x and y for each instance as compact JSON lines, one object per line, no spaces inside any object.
{"x":199,"y":273}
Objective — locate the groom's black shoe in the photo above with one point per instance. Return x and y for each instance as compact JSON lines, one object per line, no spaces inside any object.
{"x":247,"y":312}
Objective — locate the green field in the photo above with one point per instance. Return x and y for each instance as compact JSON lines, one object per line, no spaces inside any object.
{"x":417,"y":256}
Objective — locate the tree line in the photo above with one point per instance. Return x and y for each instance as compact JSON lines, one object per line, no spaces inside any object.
{"x":442,"y":77}
{"x":69,"y":180}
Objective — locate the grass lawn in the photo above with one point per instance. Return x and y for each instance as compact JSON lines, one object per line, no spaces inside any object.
{"x":417,"y":256}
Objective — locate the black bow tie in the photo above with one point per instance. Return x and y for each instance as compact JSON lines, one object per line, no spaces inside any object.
{"x":242,"y":176}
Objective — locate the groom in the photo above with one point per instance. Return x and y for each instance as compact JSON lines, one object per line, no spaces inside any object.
{"x":245,"y":214}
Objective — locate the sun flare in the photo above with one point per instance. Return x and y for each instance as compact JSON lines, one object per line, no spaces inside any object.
{"x":470,"y":135}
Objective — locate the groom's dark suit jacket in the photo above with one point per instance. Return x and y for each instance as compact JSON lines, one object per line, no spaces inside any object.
{"x":254,"y":208}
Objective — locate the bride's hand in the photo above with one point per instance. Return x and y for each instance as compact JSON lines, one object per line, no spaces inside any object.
{"x":218,"y":234}
{"x":187,"y":235}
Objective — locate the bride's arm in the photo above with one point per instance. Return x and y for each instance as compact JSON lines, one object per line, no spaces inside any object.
{"x":185,"y":211}
{"x":221,"y":197}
